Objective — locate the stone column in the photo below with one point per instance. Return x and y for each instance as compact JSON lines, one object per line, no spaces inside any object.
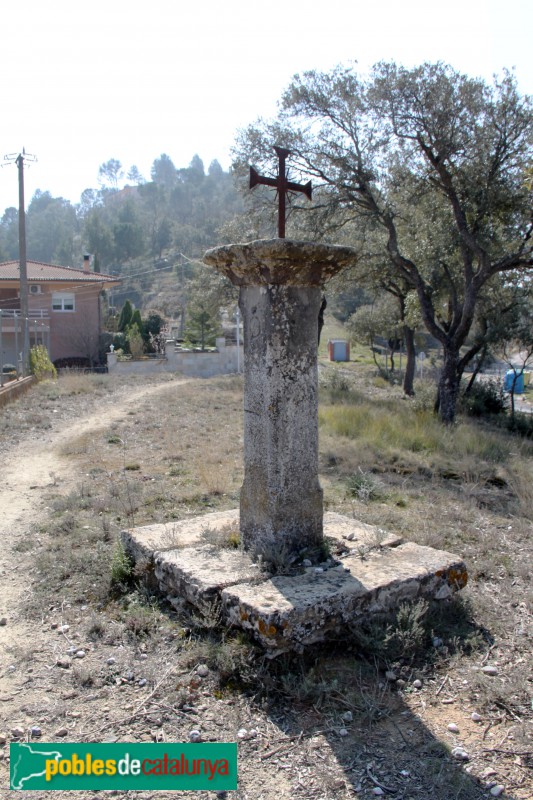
{"x":111,"y":362}
{"x":281,"y":499}
{"x":280,"y":293}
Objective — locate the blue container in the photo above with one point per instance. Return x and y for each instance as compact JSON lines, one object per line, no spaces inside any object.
{"x":339,"y":350}
{"x":508,"y":382}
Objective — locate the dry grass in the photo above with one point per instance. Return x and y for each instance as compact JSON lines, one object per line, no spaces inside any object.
{"x":74,"y":382}
{"x":521,"y":484}
{"x":389,"y":427}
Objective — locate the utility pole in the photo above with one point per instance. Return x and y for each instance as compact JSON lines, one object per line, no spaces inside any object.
{"x":238,"y":323}
{"x":19,"y":161}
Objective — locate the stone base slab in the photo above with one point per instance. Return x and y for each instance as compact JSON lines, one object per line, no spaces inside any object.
{"x":369,"y":573}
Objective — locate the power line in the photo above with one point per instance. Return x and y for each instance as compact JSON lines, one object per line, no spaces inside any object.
{"x":151,"y":270}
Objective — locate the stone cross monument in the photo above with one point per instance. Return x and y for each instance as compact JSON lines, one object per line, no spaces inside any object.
{"x":281,"y":515}
{"x":280,"y":284}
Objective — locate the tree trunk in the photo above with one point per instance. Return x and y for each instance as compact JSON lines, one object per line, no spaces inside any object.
{"x":323,"y":305}
{"x":410,"y":365}
{"x":373,"y":350}
{"x":449,"y":382}
{"x":477,"y":369}
{"x":511,"y":395}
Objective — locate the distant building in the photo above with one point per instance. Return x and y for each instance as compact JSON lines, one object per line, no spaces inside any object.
{"x":64,"y":309}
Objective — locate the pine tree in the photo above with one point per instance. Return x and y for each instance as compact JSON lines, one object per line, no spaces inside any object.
{"x":201,"y":328}
{"x":126,"y":314}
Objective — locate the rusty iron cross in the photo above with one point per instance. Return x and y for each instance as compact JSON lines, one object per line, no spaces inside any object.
{"x":282,"y":184}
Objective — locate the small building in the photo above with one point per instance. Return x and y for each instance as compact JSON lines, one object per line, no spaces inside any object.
{"x":338,"y":350}
{"x":64,"y":309}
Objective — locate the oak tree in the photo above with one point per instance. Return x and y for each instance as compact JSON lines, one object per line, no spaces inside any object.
{"x":436,"y":164}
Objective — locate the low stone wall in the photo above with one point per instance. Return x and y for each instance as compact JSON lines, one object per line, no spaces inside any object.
{"x":223,"y":361}
{"x":10,"y":391}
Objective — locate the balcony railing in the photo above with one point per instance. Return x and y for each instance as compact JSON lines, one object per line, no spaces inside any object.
{"x":33,"y":313}
{"x":11,"y":321}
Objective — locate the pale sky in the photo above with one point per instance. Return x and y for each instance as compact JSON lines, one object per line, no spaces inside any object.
{"x":84,"y":82}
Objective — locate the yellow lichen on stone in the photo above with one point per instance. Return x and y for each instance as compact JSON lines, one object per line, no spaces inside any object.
{"x":455,"y":578}
{"x":458,"y":578}
{"x":266,"y":630}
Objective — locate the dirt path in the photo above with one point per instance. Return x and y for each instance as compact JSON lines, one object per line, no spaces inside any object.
{"x":32,"y":468}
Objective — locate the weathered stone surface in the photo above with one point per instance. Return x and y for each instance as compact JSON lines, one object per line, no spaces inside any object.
{"x":198,"y":574}
{"x":294,"y":611}
{"x":373,"y":574}
{"x":187,"y":561}
{"x":280,"y":261}
{"x":141,"y":543}
{"x":281,"y":498}
{"x":355,"y":534}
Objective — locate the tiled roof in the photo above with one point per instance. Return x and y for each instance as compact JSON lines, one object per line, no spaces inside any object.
{"x":37,"y":271}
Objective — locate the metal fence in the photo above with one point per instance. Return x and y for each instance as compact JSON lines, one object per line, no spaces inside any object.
{"x":12,"y":329}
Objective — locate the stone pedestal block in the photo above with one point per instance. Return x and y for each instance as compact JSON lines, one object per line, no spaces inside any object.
{"x":372,"y":575}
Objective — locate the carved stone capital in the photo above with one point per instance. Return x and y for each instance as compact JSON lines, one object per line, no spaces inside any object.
{"x":280,"y":261}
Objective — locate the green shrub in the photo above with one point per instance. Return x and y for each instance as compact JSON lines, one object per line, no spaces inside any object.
{"x":483,"y":399}
{"x":336,"y":388}
{"x":366,"y":486}
{"x":121,"y":567}
{"x":135,"y":340}
{"x":334,"y":381}
{"x":425,"y":396}
{"x":522,"y":424}
{"x":120,"y":343}
{"x":40,"y":364}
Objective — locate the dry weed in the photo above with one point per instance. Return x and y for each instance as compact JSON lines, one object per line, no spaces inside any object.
{"x":215,"y":479}
{"x":521,"y":483}
{"x":227,"y":537}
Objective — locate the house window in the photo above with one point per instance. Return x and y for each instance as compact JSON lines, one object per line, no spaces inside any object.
{"x":63,"y":301}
